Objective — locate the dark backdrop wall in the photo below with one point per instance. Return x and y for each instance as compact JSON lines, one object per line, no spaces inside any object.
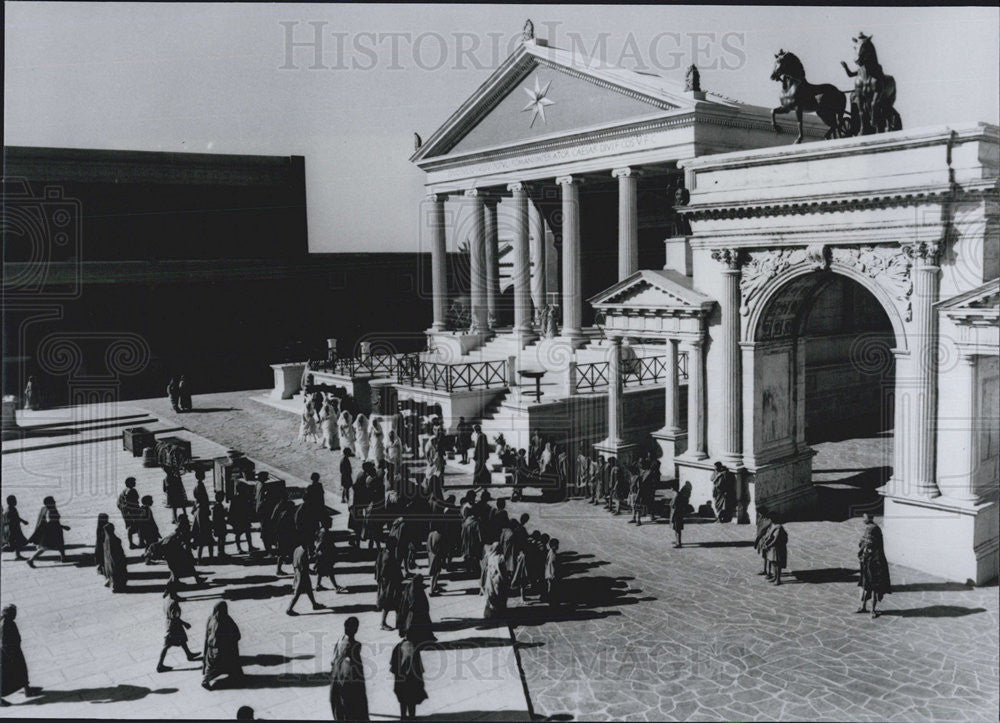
{"x":122,"y":268}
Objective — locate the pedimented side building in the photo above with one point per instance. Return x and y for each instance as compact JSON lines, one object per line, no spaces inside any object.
{"x":784,"y":297}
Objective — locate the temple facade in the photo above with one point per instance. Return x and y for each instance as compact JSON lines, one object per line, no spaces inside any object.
{"x":685,"y":280}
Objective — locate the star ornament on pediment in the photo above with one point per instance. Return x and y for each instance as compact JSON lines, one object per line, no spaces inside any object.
{"x":538,"y":101}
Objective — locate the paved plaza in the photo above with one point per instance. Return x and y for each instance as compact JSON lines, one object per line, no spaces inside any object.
{"x":645,"y":631}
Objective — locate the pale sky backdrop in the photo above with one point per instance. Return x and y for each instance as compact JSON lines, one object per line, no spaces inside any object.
{"x":209,"y":78}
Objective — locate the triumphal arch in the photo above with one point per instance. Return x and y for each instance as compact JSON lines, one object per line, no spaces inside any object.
{"x":649,"y":265}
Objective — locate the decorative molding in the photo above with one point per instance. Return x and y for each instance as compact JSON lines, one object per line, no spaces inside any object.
{"x":761,"y":267}
{"x":819,"y":256}
{"x":888,"y":266}
{"x":925,"y":252}
{"x":731,"y":257}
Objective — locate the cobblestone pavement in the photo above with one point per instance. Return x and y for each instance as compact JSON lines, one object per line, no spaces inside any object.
{"x":645,"y":631}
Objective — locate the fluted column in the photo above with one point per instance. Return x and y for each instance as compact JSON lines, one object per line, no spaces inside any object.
{"x":439,"y":259}
{"x":965,"y":440}
{"x":696,"y":399}
{"x":731,"y":376}
{"x":923,"y":420}
{"x":571,"y":291}
{"x":492,"y":259}
{"x":536,"y":229}
{"x":523,"y":328}
{"x":671,"y":406}
{"x":477,"y":262}
{"x":615,"y":392}
{"x":628,"y":221}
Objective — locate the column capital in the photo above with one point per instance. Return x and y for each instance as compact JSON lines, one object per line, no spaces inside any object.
{"x":475,"y":193}
{"x":732,"y":258}
{"x":626,"y":172}
{"x":569,"y":180}
{"x":925,"y":251}
{"x":692,"y":343}
{"x":518,"y":186}
{"x":436,"y":196}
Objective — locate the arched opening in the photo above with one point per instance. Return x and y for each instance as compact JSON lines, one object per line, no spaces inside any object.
{"x":824,"y":376}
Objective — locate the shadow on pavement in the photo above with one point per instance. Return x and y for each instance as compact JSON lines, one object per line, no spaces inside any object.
{"x":109,"y":694}
{"x":933,"y":611}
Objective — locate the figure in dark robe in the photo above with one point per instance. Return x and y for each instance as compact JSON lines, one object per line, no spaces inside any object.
{"x":115,"y":562}
{"x":413,"y":618}
{"x":220,"y":522}
{"x":472,"y":542}
{"x":201,"y":530}
{"x":48,"y":534}
{"x":283,"y":530}
{"x":173,"y":488}
{"x":480,"y":456}
{"x":13,"y":667}
{"x":149,"y":531}
{"x":346,"y":479}
{"x":128,"y":505}
{"x":174,"y":551}
{"x":222,"y":648}
{"x":464,"y":439}
{"x":390,"y":580}
{"x":173,"y":394}
{"x":11,"y":537}
{"x":184,"y":394}
{"x":326,"y":556}
{"x":176,"y":635}
{"x":239,"y":517}
{"x":348,"y":695}
{"x":722,"y":493}
{"x":679,"y":511}
{"x":408,"y":671}
{"x":760,"y":538}
{"x":777,"y":548}
{"x":102,"y":520}
{"x":874,"y":582}
{"x":302,"y":585}
{"x":437,"y":555}
{"x":552,"y":575}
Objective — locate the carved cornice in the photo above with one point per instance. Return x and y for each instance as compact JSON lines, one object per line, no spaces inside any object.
{"x":833,"y":203}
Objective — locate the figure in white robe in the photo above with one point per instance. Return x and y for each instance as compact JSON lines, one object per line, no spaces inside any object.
{"x":376,"y":443}
{"x":394,"y":451}
{"x":328,"y":423}
{"x":345,"y":430}
{"x":361,"y":435}
{"x":308,"y":423}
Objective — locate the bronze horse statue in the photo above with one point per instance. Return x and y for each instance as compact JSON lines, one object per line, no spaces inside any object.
{"x":825,"y":100}
{"x":874,"y":92}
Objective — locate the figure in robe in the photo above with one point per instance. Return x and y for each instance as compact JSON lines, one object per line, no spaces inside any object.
{"x":222,"y":648}
{"x":722,"y":494}
{"x":874,"y":582}
{"x":102,"y":521}
{"x":413,"y":618}
{"x":48,"y":534}
{"x":496,"y":584}
{"x":328,"y":424}
{"x":11,"y":537}
{"x":302,"y":585}
{"x":345,"y":432}
{"x":326,"y":557}
{"x":472,"y":542}
{"x":760,"y":539}
{"x":31,"y":396}
{"x":777,"y":548}
{"x":149,"y":531}
{"x":362,"y":436}
{"x":239,"y":517}
{"x":115,"y":563}
{"x":13,"y":667}
{"x":679,"y":511}
{"x":480,"y":456}
{"x":390,"y":580}
{"x":376,"y":442}
{"x":128,"y":505}
{"x":348,"y":695}
{"x":173,"y":488}
{"x":408,"y":672}
{"x":394,"y":454}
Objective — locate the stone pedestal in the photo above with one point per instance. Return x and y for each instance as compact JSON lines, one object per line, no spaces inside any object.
{"x":9,"y":416}
{"x":954,"y":539}
{"x":672,"y":445}
{"x":287,"y":380}
{"x":623,"y":452}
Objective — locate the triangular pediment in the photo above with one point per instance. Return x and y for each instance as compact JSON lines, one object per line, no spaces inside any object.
{"x":652,"y":289}
{"x":541,"y":92}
